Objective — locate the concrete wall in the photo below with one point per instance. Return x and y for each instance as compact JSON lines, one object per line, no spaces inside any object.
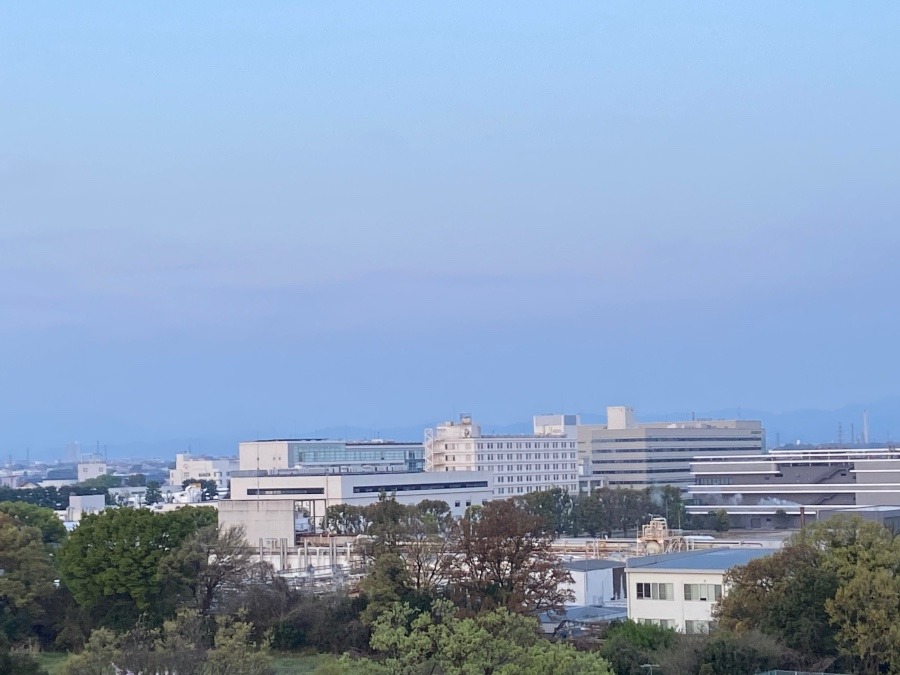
{"x":264,"y":519}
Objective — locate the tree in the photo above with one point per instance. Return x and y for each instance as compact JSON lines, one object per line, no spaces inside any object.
{"x":44,"y":519}
{"x":111,"y":562}
{"x":208,"y":562}
{"x":346,"y":519}
{"x":784,"y":595}
{"x":208,"y":488}
{"x":153,"y":494}
{"x":235,"y":653}
{"x":501,"y":558}
{"x":26,"y":579}
{"x":102,"y":482}
{"x":553,"y":506}
{"x":136,"y":480}
{"x":498,"y":642}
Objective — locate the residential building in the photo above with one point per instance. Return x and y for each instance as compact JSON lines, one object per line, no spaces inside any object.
{"x":679,"y":590}
{"x":631,"y":454}
{"x":769,"y":490}
{"x":517,"y":464}
{"x":339,"y":456}
{"x":188,"y":467}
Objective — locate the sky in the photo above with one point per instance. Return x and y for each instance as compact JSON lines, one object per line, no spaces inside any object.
{"x":267,"y":218}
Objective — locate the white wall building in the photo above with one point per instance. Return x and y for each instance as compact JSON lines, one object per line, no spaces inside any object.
{"x":596,"y":582}
{"x":518,"y":465}
{"x":91,"y":469}
{"x":679,"y":590}
{"x":217,"y":469}
{"x":631,"y":454}
{"x":341,"y":456}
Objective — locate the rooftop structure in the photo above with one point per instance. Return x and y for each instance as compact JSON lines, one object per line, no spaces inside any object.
{"x":216,"y":469}
{"x":296,"y":453}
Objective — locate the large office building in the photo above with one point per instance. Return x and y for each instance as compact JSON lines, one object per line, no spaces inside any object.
{"x":779,"y":488}
{"x":321,"y":454}
{"x":517,"y":464}
{"x":627,"y":453}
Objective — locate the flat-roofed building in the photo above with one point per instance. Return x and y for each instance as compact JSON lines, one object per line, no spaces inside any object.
{"x":518,"y":464}
{"x":312,"y":493}
{"x":317,"y":453}
{"x":766,"y":491}
{"x":631,"y":454}
{"x":679,"y":590}
{"x":216,"y":469}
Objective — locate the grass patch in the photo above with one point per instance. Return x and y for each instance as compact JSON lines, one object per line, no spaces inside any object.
{"x":299,"y":664}
{"x":52,"y":662}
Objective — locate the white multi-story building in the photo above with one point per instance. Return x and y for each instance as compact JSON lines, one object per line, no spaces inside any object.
{"x":317,"y":454}
{"x":217,"y":469}
{"x":631,"y":454}
{"x":545,"y":459}
{"x":679,"y":590}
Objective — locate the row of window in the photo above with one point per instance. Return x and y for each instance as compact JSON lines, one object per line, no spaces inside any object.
{"x":691,"y":627}
{"x":490,"y":457}
{"x":527,"y":467}
{"x":720,"y":450}
{"x":535,"y":479}
{"x":692,"y":592}
{"x":537,"y":488}
{"x":523,"y":445}
{"x":688,"y":439}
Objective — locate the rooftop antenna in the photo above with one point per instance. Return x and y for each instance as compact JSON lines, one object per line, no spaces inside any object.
{"x":866,"y":427}
{"x":840,"y":438}
{"x":852,"y":433}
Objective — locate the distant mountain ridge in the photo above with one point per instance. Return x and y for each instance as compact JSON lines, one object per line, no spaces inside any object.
{"x":806,"y":426}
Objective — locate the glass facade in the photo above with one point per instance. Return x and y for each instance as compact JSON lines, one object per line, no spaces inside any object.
{"x":409,"y":456}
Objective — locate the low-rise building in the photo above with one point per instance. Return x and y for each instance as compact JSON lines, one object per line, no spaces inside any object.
{"x":91,"y":469}
{"x":679,"y":590}
{"x":338,"y":456}
{"x":777,"y":489}
{"x":216,"y":469}
{"x":596,"y":581}
{"x":299,"y":500}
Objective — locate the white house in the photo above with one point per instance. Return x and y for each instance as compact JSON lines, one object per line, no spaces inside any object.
{"x":596,"y":582}
{"x":679,"y":590}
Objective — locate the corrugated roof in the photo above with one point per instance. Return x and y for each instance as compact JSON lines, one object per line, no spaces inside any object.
{"x":588,"y":565}
{"x":714,"y":559}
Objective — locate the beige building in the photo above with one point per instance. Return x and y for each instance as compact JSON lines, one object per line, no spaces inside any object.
{"x":188,"y":467}
{"x":91,"y":469}
{"x":517,"y":465}
{"x":627,"y":453}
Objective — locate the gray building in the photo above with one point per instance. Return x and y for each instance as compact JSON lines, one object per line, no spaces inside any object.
{"x":627,"y":453}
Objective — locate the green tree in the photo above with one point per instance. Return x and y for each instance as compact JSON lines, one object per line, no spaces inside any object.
{"x":111,"y":562}
{"x":497,"y":642}
{"x":554,"y":506}
{"x":346,"y":519}
{"x":136,"y":480}
{"x":208,"y":488}
{"x":153,"y":495}
{"x":27,"y":577}
{"x":235,"y":653}
{"x":784,"y":595}
{"x":102,"y":482}
{"x":44,"y":519}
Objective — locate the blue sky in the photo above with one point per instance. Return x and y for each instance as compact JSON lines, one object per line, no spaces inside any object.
{"x":240,"y":217}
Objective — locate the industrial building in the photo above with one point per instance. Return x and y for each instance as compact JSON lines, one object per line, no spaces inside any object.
{"x":517,"y":464}
{"x":631,"y":454}
{"x":769,"y":491}
{"x":679,"y":590}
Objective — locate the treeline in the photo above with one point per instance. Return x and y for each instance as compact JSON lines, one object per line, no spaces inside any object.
{"x":48,"y":497}
{"x":604,"y":512}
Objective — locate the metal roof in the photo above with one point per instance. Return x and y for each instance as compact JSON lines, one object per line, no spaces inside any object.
{"x":589,"y":565}
{"x":714,"y":559}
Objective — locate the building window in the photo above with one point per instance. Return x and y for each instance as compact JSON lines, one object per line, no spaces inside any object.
{"x":696,"y":627}
{"x":654,"y":591}
{"x":662,"y":623}
{"x":456,"y":504}
{"x":703,"y":592}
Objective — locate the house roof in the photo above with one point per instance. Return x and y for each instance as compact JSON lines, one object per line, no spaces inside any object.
{"x":594,"y":564}
{"x":713,"y":560}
